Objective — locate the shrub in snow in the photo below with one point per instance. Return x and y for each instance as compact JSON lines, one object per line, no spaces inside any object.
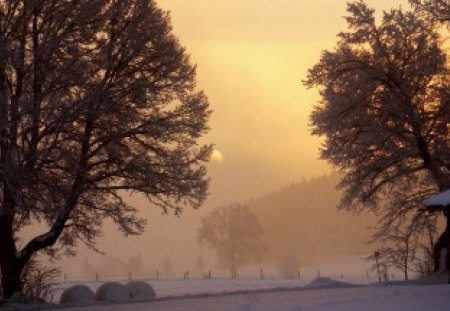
{"x":141,"y":290}
{"x":78,"y":294}
{"x":113,"y":292}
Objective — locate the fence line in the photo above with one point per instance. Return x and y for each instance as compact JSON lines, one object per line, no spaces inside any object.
{"x":158,"y":275}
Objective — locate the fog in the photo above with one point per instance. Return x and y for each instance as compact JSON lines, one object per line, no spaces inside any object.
{"x":251,"y":57}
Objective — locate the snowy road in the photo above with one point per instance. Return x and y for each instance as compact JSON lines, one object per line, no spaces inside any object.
{"x":372,"y":298}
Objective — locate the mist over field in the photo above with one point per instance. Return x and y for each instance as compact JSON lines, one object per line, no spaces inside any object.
{"x":297,"y":222}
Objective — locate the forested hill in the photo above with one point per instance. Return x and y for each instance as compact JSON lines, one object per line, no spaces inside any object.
{"x":302,"y":219}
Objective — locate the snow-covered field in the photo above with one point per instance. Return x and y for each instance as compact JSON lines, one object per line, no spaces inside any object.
{"x":177,"y":287}
{"x":365,"y":298}
{"x":279,"y":295}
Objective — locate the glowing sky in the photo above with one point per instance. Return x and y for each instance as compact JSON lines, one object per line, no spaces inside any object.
{"x":252,"y":56}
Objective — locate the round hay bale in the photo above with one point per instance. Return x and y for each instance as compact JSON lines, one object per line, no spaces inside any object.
{"x":141,"y":290}
{"x":77,"y":294}
{"x":113,"y":292}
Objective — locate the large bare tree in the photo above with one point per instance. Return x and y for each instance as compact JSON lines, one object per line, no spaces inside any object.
{"x":96,"y":97}
{"x":385,"y":115}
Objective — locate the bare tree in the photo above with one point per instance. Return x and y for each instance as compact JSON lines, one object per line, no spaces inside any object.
{"x":199,"y":264}
{"x":289,"y":266}
{"x":136,"y":265}
{"x":380,"y":265}
{"x":384,"y":114}
{"x":235,"y":233}
{"x":400,"y":251}
{"x":167,"y":266}
{"x":97,"y":97}
{"x":424,"y":263}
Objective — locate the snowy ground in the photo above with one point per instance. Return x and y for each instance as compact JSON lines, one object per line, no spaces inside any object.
{"x":322,"y":294}
{"x":177,"y":287}
{"x":365,"y":298}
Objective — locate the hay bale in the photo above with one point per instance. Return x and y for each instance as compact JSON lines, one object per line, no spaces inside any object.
{"x":77,"y":294}
{"x":113,"y":292}
{"x":140,"y":290}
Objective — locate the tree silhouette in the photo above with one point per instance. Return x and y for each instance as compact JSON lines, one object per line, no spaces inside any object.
{"x":97,"y":97}
{"x":385,"y":113}
{"x":235,"y":233}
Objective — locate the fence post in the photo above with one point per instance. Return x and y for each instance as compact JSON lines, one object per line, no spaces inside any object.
{"x":262,"y":274}
{"x":96,"y":276}
{"x":157,"y":274}
{"x":318,"y":273}
{"x":299,"y":275}
{"x":209,"y":274}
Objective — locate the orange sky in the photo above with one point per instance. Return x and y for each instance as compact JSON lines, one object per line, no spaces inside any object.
{"x":252,"y":56}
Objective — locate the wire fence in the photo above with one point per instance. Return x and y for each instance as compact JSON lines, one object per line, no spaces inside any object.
{"x":261,"y":274}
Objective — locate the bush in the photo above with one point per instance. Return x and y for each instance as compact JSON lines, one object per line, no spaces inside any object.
{"x":37,"y":283}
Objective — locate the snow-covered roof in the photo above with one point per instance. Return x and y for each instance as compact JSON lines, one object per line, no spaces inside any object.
{"x":441,"y":199}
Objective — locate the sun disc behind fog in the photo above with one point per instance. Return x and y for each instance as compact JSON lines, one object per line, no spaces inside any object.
{"x":216,"y":156}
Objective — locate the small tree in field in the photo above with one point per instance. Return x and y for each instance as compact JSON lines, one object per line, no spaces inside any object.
{"x":384,"y":114}
{"x":199,"y":264}
{"x":400,"y":252}
{"x":167,"y":266}
{"x":288,"y":266}
{"x":235,"y":233}
{"x":97,"y":97}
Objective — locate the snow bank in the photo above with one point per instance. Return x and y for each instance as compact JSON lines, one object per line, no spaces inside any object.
{"x":113,"y":292}
{"x":322,"y":282}
{"x":140,"y":290}
{"x":78,"y":294}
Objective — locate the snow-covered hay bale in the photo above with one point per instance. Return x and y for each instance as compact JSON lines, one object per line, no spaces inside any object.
{"x":141,"y":290}
{"x":77,"y":294}
{"x":113,"y":292}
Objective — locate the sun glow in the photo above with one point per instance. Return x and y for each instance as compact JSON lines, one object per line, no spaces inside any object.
{"x":216,"y":156}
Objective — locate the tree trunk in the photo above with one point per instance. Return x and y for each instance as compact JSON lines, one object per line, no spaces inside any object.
{"x":10,"y":266}
{"x":11,"y":283}
{"x":443,"y":242}
{"x":233,"y":270}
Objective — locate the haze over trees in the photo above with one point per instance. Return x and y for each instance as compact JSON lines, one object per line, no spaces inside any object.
{"x":235,"y":233}
{"x":96,"y":97}
{"x":300,"y":220}
{"x":384,"y":115}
